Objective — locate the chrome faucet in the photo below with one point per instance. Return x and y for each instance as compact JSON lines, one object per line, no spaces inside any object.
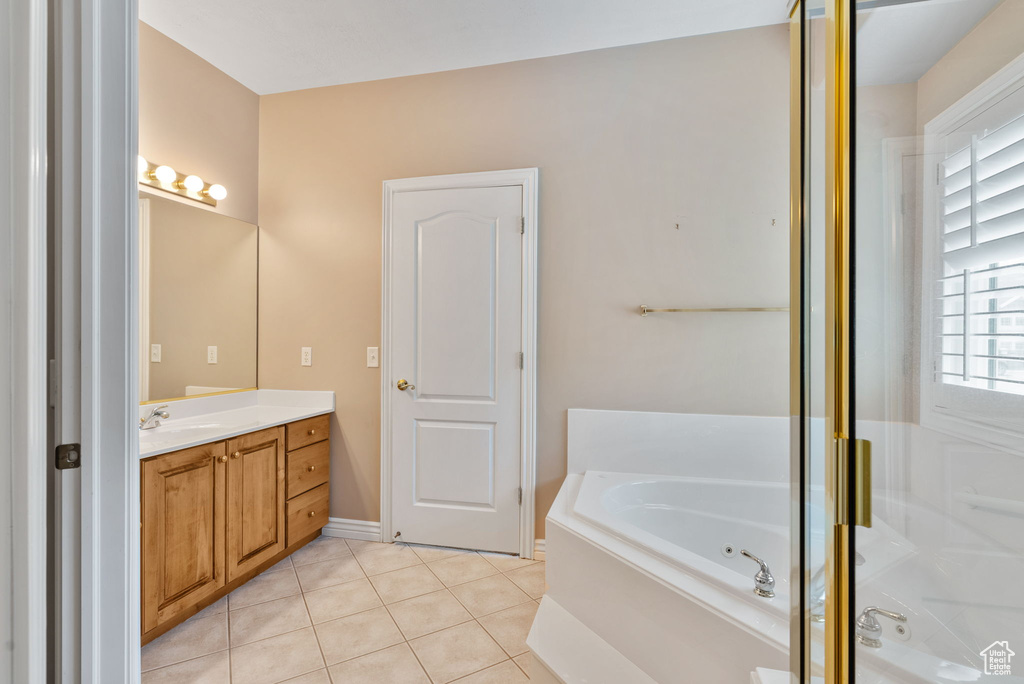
{"x":869,"y":631}
{"x":764,"y":583}
{"x":153,"y":419}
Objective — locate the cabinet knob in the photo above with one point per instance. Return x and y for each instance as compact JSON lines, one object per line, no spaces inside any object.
{"x":312,"y":513}
{"x":223,"y":459}
{"x":236,"y":454}
{"x":312,"y":432}
{"x":311,"y":468}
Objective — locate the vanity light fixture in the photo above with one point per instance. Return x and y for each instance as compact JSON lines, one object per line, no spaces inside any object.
{"x":163,"y":177}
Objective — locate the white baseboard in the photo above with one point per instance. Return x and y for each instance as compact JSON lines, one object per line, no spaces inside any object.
{"x":538,"y":549}
{"x":352,"y":529}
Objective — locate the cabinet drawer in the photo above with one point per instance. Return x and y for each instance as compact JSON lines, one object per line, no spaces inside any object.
{"x":310,"y":431}
{"x":307,"y":513}
{"x":308,"y":467}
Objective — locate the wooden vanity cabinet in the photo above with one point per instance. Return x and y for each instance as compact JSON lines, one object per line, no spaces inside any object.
{"x":214,"y":516}
{"x":182,"y":531}
{"x":255,"y":500}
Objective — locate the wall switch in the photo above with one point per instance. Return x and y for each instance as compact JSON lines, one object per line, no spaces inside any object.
{"x":307,"y":356}
{"x":154,"y":353}
{"x":373,"y":357}
{"x":211,"y":355}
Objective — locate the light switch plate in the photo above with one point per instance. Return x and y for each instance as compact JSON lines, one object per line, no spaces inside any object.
{"x":307,"y":356}
{"x":211,"y":355}
{"x":155,"y":352}
{"x":373,"y":357}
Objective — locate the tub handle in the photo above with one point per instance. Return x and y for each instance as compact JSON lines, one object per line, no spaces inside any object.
{"x":764,"y":583}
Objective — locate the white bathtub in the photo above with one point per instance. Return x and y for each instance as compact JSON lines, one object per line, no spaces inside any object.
{"x":699,"y":525}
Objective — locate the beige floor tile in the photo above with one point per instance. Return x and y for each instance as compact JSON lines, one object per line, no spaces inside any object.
{"x":212,"y":669}
{"x":406,"y":583}
{"x":524,"y":662}
{"x":429,"y":554}
{"x":283,"y":564}
{"x":356,"y":635}
{"x":276,"y":659}
{"x":320,"y":549}
{"x":530,"y":579}
{"x":509,"y":627}
{"x":341,"y":600}
{"x":503,"y":562}
{"x":383,"y":558}
{"x":394,"y":665}
{"x":318,"y":677}
{"x":456,"y":652}
{"x":328,"y":572}
{"x":266,"y":586}
{"x":502,"y":673}
{"x":429,"y":613}
{"x":219,"y":607}
{"x":461,"y":569}
{"x":197,"y":636}
{"x":489,"y":595}
{"x":268,"y":619}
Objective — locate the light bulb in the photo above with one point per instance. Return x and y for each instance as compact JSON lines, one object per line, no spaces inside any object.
{"x":193,"y":183}
{"x":217,"y":191}
{"x":143,"y":165}
{"x":165,"y":174}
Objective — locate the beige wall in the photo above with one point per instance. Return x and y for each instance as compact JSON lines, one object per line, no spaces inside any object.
{"x":198,"y":120}
{"x":991,"y":45}
{"x":630,"y":142}
{"x":202,"y":293}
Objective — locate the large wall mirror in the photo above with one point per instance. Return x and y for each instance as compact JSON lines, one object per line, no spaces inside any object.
{"x":198,"y":296}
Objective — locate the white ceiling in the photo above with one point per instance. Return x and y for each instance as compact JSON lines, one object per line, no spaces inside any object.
{"x":273,"y":46}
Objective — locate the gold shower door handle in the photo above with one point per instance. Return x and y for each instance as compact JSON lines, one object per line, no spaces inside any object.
{"x":403,"y":385}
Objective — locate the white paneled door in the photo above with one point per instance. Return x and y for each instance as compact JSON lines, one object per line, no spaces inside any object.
{"x":456,"y":343}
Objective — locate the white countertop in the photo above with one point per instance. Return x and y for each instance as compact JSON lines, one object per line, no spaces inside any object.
{"x":203,"y":420}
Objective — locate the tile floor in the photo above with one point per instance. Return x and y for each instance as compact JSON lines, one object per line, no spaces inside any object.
{"x":352,"y":612}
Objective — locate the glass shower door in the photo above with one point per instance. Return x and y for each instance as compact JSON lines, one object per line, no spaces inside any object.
{"x":937,"y":340}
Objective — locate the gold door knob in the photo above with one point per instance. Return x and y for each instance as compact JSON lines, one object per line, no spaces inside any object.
{"x":223,"y":459}
{"x":311,"y":468}
{"x":312,"y":513}
{"x":312,"y":432}
{"x":403,"y":385}
{"x":237,"y":454}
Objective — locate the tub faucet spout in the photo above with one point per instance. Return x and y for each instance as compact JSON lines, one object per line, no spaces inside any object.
{"x":764,"y":582}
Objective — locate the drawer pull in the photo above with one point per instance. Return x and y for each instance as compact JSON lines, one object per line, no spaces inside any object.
{"x":223,"y":459}
{"x":237,"y":454}
{"x":312,"y":513}
{"x":312,"y":432}
{"x":311,"y":468}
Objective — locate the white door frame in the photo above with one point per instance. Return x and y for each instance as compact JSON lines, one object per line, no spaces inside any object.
{"x":23,"y":363}
{"x":527,"y":180}
{"x":96,"y":203}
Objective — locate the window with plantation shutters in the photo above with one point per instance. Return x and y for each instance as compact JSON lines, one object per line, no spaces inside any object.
{"x":974,"y":257}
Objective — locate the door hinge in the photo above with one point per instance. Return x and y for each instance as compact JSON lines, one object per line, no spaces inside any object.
{"x":522,"y":361}
{"x":522,"y":225}
{"x":520,"y":496}
{"x":68,"y":456}
{"x":853,"y":459}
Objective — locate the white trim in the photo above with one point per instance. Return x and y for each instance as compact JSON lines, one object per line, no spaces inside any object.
{"x":528,"y":180}
{"x":941,"y":405}
{"x":144,"y":287}
{"x":346,"y":528}
{"x":23,"y":343}
{"x":539,"y":549}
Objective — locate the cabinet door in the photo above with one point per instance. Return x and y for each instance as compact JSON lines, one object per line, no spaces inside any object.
{"x":182,"y":531}
{"x":255,"y":500}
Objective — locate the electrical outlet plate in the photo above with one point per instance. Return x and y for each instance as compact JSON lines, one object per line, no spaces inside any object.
{"x":155,"y":353}
{"x":307,"y":356}
{"x":211,"y":355}
{"x":373,"y":357}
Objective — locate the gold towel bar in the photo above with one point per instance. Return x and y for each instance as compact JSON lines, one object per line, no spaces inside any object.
{"x":644,"y":310}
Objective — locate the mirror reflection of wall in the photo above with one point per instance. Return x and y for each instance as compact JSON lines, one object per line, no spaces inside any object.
{"x":197,"y":293}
